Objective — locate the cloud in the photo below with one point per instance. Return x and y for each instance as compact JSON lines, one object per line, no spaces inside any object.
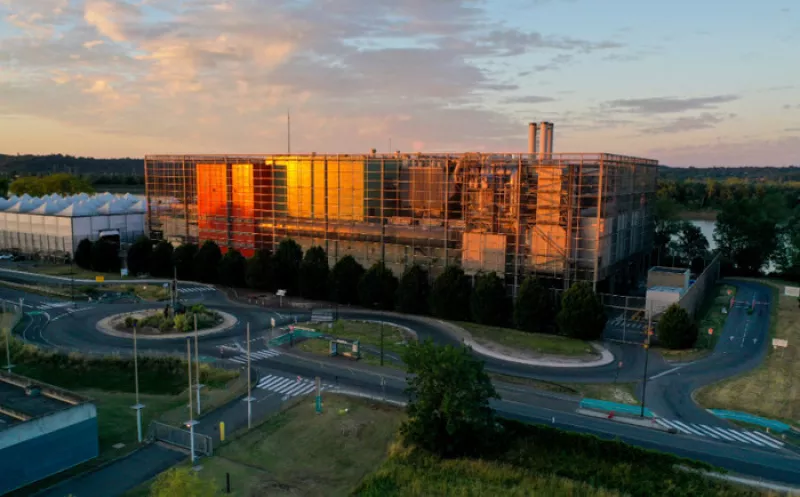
{"x":109,"y":17}
{"x":778,"y":152}
{"x":684,"y":124}
{"x":528,"y":99}
{"x":666,"y":105}
{"x":91,"y":44}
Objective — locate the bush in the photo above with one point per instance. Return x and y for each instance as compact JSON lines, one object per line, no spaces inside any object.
{"x":450,"y":295}
{"x":582,"y":315}
{"x":130,"y":322}
{"x":345,"y":276}
{"x":260,"y":273}
{"x":139,"y":255}
{"x":207,"y":262}
{"x":489,"y":302}
{"x":414,"y":291}
{"x":314,"y":273}
{"x":232,"y":269}
{"x":676,"y":329}
{"x":105,"y":257}
{"x":287,"y":261}
{"x":533,"y":310}
{"x":161,"y":260}
{"x":83,"y":254}
{"x":183,"y":260}
{"x":378,"y":287}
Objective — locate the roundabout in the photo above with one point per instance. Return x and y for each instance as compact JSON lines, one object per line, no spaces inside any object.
{"x":146,"y":323}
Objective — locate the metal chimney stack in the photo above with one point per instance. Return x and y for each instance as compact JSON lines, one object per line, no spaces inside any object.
{"x":550,"y":128}
{"x":542,"y":140}
{"x":531,"y":138}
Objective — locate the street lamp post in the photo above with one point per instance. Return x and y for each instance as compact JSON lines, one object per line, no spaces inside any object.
{"x":381,"y":343}
{"x":191,"y":423}
{"x":646,"y":356}
{"x":138,"y":406}
{"x":197,"y":363}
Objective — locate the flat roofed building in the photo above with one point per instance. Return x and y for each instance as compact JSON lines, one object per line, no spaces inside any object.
{"x":43,"y":431}
{"x":566,"y":217}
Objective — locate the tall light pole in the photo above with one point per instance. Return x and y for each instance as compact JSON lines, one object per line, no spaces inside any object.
{"x":646,"y":355}
{"x":8,"y":340}
{"x":138,"y":406}
{"x":249,"y":399}
{"x":191,"y":421}
{"x":197,"y":364}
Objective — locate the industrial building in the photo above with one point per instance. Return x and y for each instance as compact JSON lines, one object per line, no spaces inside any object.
{"x":43,"y":430}
{"x":566,"y":217}
{"x":55,"y":225}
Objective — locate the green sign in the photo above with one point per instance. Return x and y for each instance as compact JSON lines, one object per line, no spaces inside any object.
{"x":319,"y":403}
{"x":34,"y":313}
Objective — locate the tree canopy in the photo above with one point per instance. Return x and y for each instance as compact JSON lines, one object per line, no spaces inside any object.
{"x":207,"y":262}
{"x":105,"y":256}
{"x":314,"y":274}
{"x":345,"y":277}
{"x":378,"y":287}
{"x":161,"y":260}
{"x":260,"y":271}
{"x":449,"y":394}
{"x":533,"y":310}
{"x":62,"y":183}
{"x":183,"y":259}
{"x":748,"y":232}
{"x":83,"y":254}
{"x":139,"y":254}
{"x":489,"y":302}
{"x":676,"y":329}
{"x":287,"y":265}
{"x":413,"y":291}
{"x":582,"y":314}
{"x":232,"y":269}
{"x":450,"y":295}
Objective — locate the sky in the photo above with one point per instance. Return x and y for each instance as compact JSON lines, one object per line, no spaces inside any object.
{"x":701,"y":82}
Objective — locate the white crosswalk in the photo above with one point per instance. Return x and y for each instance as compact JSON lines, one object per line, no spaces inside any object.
{"x":52,"y":305}
{"x":195,"y":289}
{"x":288,"y":387}
{"x":256,"y":356}
{"x":719,"y":433}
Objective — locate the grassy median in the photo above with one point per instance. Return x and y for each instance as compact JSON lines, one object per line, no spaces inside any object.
{"x":369,"y":336}
{"x":535,"y":344}
{"x":772,"y":390}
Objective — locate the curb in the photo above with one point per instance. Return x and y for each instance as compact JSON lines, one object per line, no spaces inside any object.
{"x":649,"y":423}
{"x":102,"y":327}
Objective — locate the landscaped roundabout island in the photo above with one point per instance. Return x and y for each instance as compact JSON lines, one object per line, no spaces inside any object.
{"x":160,"y":323}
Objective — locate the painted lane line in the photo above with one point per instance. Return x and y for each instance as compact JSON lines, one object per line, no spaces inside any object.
{"x":278,"y":385}
{"x":738,"y":436}
{"x":766,"y":439}
{"x":688,"y":428}
{"x":659,"y":375}
{"x":264,"y":380}
{"x":670,"y":424}
{"x":274,"y":383}
{"x":752,"y":438}
{"x":296,"y":390}
{"x":291,"y":385}
{"x":705,"y":429}
{"x":239,"y":360}
{"x":721,"y":433}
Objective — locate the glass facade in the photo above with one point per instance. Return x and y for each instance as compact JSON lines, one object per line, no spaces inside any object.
{"x":565,"y":217}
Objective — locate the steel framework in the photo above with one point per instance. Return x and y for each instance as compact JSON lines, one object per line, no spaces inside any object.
{"x":568,"y":217}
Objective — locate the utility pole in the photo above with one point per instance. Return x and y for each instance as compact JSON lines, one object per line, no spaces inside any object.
{"x":138,"y":406}
{"x":174,"y":289}
{"x":8,"y":341}
{"x":646,"y":355}
{"x":381,"y":343}
{"x":197,"y":364}
{"x":71,"y":283}
{"x":191,"y":421}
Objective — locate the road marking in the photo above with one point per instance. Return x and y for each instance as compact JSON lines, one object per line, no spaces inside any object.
{"x":751,"y":438}
{"x":769,"y":440}
{"x":705,"y":429}
{"x":735,"y":434}
{"x":721,"y":433}
{"x":688,"y":428}
{"x":664,"y":373}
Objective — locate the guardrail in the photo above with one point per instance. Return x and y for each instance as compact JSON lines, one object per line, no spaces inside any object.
{"x":776,"y":426}
{"x":180,"y":438}
{"x":294,"y":335}
{"x":616,"y":408}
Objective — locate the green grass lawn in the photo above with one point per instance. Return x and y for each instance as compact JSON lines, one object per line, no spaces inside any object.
{"x":66,"y":270}
{"x":394,"y":340}
{"x":300,"y":453}
{"x":532,"y":343}
{"x":624,"y":393}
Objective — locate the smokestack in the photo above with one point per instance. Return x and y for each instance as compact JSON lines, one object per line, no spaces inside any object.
{"x":531,"y":138}
{"x":542,"y":140}
{"x":550,"y":129}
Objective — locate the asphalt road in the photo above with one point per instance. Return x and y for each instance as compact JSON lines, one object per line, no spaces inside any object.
{"x":741,"y":346}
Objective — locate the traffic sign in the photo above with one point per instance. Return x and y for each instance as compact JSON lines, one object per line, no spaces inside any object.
{"x":99,"y":279}
{"x":711,"y":331}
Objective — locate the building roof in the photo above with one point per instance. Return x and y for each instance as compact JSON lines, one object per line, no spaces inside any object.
{"x":82,"y":204}
{"x":672,"y":270}
{"x":22,"y":399}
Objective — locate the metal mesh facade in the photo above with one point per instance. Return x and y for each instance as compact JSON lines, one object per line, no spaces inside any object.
{"x":566,"y":217}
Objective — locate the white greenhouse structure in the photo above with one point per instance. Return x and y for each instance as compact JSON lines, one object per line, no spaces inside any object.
{"x":54,"y":224}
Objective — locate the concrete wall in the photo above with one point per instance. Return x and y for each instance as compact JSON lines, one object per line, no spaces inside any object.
{"x":44,"y":446}
{"x":668,"y":278}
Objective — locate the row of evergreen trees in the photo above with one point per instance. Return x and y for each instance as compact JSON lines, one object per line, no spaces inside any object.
{"x":453,"y":295}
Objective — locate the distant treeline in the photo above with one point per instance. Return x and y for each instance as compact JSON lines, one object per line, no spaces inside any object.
{"x":713,"y":194}
{"x":754,"y":174}
{"x":26,"y":165}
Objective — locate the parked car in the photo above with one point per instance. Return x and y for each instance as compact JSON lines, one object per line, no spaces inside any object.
{"x":6,"y":257}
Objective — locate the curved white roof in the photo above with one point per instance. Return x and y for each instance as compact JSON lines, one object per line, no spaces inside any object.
{"x":103,"y":204}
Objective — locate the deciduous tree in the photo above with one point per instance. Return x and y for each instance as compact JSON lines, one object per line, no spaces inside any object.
{"x":676,"y":329}
{"x":105,"y":256}
{"x":378,"y":287}
{"x":414,"y":291}
{"x":582,"y":314}
{"x":314,"y":274}
{"x":489,"y":302}
{"x":534,"y":309}
{"x":207,"y":261}
{"x":748,"y":230}
{"x":139,"y":255}
{"x":83,"y":254}
{"x":161,"y":260}
{"x":449,"y":394}
{"x":260,"y":274}
{"x":183,"y":260}
{"x":287,"y":265}
{"x":232,"y":269}
{"x":450,"y":295}
{"x":345,"y":276}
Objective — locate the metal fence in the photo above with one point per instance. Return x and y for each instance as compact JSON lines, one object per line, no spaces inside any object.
{"x":203,"y":444}
{"x":693,"y":299}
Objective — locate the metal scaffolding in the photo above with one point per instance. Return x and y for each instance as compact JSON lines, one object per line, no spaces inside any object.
{"x":565,"y":217}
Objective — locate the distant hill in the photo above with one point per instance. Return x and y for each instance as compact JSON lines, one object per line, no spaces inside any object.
{"x":48,"y":164}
